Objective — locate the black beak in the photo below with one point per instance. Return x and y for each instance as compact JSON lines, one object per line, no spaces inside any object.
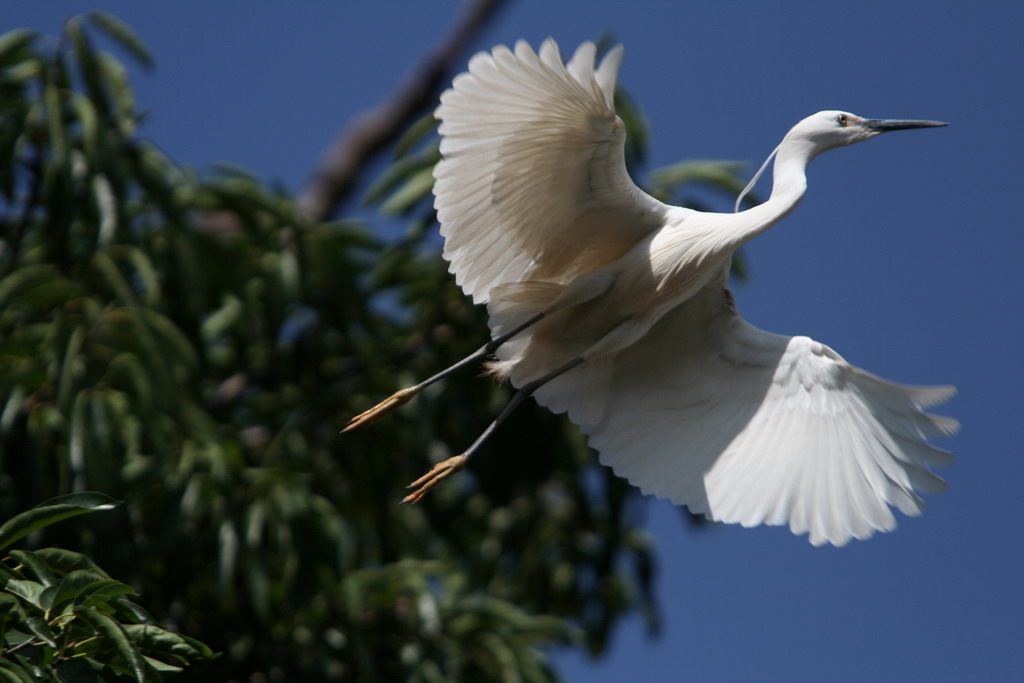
{"x":885,"y":125}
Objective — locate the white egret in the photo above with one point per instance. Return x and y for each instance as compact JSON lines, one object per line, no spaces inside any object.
{"x":613,"y":307}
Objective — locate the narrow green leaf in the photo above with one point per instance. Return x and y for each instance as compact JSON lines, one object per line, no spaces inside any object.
{"x":30,"y":591}
{"x":401,"y":171}
{"x":51,"y":511}
{"x":123,"y":35}
{"x":414,"y":133}
{"x":7,"y":573}
{"x":14,"y":40}
{"x":111,"y":631}
{"x":40,"y":628}
{"x":218,"y":322}
{"x":161,"y":667}
{"x":88,"y":66}
{"x":66,"y":561}
{"x":55,"y":121}
{"x":14,"y":284}
{"x":23,"y":71}
{"x":226,"y":170}
{"x":157,"y":640}
{"x":75,"y":584}
{"x":637,"y":130}
{"x":148,"y":275}
{"x":413,"y":191}
{"x":37,"y":565}
{"x":40,"y":286}
{"x":70,"y":368}
{"x":101,"y":259}
{"x":201,"y":648}
{"x":10,"y":610}
{"x":717,"y":173}
{"x":9,"y":671}
{"x":101,"y":592}
{"x":88,"y":120}
{"x":117,"y":78}
{"x":138,"y":614}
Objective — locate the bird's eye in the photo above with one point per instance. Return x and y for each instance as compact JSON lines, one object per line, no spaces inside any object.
{"x":841,"y":119}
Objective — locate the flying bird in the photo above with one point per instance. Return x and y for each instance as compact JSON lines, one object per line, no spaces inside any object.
{"x":613,"y":307}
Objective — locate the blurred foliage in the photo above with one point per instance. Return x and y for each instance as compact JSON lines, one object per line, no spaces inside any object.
{"x":192,"y":345}
{"x":62,"y":618}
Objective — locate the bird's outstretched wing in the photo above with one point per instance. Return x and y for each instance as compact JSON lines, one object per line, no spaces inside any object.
{"x":533,"y":182}
{"x":755,"y":428}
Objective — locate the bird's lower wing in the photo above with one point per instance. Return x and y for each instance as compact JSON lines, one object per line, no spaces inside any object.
{"x":533,"y":181}
{"x":755,"y":428}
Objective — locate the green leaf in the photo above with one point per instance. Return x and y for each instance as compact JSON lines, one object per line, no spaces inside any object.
{"x":13,"y":285}
{"x":22,"y":71}
{"x":86,"y":114}
{"x":123,"y":35}
{"x":88,"y":66}
{"x":30,"y":591}
{"x":52,"y":511}
{"x":10,"y":610}
{"x":38,"y":626}
{"x":66,"y":561}
{"x":9,"y":573}
{"x":402,"y":170}
{"x":219,"y":321}
{"x":717,"y":173}
{"x":37,"y":565}
{"x":157,"y":640}
{"x":161,"y":667}
{"x":114,"y":277}
{"x":112,"y":632}
{"x":101,"y":592}
{"x":117,"y":79}
{"x":414,"y":133}
{"x":70,"y":369}
{"x":9,"y":671}
{"x":81,"y":583}
{"x":54,"y":120}
{"x":12,"y":41}
{"x":414,"y":190}
{"x":40,"y":286}
{"x":637,"y":130}
{"x":138,"y":614}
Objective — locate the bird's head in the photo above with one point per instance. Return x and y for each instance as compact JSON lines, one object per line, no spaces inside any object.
{"x":827,"y":130}
{"x":830,"y":129}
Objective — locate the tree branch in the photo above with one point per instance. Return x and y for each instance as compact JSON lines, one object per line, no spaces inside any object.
{"x":370,"y":132}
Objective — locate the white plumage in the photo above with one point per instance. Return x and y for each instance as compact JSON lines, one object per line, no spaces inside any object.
{"x":635,"y":334}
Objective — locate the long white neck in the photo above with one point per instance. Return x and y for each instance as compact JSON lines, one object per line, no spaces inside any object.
{"x":789,"y":182}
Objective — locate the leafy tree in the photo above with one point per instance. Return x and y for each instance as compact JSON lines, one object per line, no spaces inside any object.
{"x":193,"y":344}
{"x":63,"y":618}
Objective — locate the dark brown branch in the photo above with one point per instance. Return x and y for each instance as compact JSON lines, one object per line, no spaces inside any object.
{"x":370,"y":132}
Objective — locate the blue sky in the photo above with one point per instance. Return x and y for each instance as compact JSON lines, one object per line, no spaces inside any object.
{"x":905,"y":257}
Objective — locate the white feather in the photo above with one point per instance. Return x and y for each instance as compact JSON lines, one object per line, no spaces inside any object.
{"x":533,"y":167}
{"x":754,"y":428}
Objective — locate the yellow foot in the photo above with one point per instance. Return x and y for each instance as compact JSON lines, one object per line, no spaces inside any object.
{"x":435,"y":476}
{"x":400,"y":397}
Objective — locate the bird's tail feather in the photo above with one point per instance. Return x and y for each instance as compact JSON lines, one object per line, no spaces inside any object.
{"x":510,"y":306}
{"x":513,"y":304}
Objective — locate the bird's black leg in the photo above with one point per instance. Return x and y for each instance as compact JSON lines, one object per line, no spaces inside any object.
{"x":443,"y":469}
{"x":403,"y":396}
